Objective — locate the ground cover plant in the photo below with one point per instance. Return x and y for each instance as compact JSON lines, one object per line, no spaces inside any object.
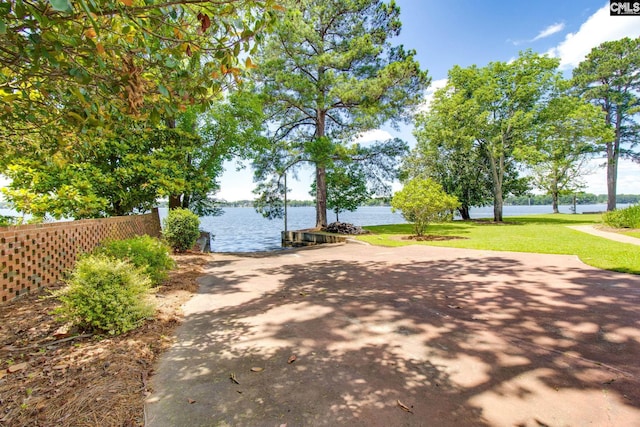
{"x":151,"y":255}
{"x":536,"y":234}
{"x":53,"y":377}
{"x":106,"y":295}
{"x":181,"y":229}
{"x":623,"y":218}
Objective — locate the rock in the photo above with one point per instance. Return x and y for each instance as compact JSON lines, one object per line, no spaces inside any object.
{"x":343,"y":228}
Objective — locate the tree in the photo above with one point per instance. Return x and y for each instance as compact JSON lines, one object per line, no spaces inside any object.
{"x":446,"y":153}
{"x":329,"y":73}
{"x":112,"y":175}
{"x":130,"y":169}
{"x":566,"y":134}
{"x":346,"y":188}
{"x":495,"y":107}
{"x":83,"y":64}
{"x":423,"y":201}
{"x":610,"y":78}
{"x":229,"y":128}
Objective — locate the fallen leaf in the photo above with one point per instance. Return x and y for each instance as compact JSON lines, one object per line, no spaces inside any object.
{"x":17,"y":367}
{"x":191,"y":401}
{"x":292,"y":359}
{"x":457,"y":307}
{"x":257,"y":369}
{"x":60,"y":366}
{"x":404,"y":407}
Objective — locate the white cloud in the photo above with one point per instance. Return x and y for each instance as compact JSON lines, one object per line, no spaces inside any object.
{"x":428,"y":95}
{"x":599,"y":28}
{"x":549,"y":31}
{"x":372,"y":136}
{"x":628,"y":177}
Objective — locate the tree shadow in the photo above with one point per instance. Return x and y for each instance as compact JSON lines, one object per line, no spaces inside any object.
{"x":474,"y":339}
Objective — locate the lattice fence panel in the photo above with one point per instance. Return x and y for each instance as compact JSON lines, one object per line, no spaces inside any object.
{"x":35,"y":256}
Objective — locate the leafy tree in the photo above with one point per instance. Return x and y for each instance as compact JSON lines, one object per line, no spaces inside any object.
{"x":446,"y":153}
{"x":346,"y":188}
{"x":566,"y":134}
{"x":495,"y":108}
{"x":423,"y":201}
{"x":226,"y":130}
{"x":328,"y":73}
{"x":610,"y":78}
{"x":83,"y":64}
{"x":112,"y":175}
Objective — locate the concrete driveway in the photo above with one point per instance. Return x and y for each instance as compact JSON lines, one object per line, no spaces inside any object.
{"x":411,"y":336}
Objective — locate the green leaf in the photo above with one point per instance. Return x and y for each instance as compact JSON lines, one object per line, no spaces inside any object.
{"x":163,"y":90}
{"x":61,"y":5}
{"x":3,"y":27}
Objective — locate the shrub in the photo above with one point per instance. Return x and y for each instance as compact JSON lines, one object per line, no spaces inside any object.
{"x":623,"y":218}
{"x":423,"y":201}
{"x":181,"y":229}
{"x":106,"y":295}
{"x":145,"y":252}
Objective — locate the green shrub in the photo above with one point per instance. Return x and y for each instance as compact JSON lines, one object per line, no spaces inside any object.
{"x":423,"y":201}
{"x":181,"y":229}
{"x":105,"y":295}
{"x":623,"y":218}
{"x":145,"y":252}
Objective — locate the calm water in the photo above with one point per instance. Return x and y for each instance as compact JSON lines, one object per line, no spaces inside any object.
{"x":244,"y":230}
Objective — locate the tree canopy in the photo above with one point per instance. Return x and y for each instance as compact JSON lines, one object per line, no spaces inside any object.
{"x":485,"y":115}
{"x":610,"y":78}
{"x":329,"y":73}
{"x":85,"y":66}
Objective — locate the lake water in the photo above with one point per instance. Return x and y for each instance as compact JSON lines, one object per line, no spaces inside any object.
{"x":244,"y":230}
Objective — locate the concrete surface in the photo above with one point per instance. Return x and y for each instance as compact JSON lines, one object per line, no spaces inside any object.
{"x":457,"y":337}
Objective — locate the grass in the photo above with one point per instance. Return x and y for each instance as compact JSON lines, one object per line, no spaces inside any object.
{"x":632,"y":233}
{"x":547,"y":234}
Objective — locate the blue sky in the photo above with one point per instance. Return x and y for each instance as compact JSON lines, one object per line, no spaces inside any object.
{"x":466,"y":32}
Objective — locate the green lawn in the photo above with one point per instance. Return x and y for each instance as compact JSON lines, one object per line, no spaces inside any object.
{"x":535,"y":233}
{"x":633,"y":233}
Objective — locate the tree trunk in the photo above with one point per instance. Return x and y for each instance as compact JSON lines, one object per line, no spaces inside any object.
{"x":464,"y":212}
{"x":321,"y":175}
{"x":174,"y":201}
{"x":554,"y":193}
{"x":321,"y":197}
{"x":497,"y":172}
{"x":613,"y":153}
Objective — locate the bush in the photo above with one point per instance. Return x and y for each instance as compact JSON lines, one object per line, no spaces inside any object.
{"x":105,"y":295}
{"x":623,"y":218}
{"x":423,"y":201}
{"x":181,"y":229}
{"x":151,"y":255}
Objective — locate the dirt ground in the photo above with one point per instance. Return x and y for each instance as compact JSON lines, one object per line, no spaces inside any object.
{"x":409,"y":336}
{"x":50,"y":376}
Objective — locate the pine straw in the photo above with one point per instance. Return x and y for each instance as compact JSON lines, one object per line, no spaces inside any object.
{"x":84,"y":380}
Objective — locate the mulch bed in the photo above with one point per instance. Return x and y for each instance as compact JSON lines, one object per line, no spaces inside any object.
{"x":50,"y":376}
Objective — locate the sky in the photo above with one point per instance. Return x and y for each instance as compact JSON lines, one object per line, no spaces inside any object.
{"x":467,"y":32}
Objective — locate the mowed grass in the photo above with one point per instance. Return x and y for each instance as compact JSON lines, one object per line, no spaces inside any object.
{"x":547,"y":234}
{"x":632,"y":233}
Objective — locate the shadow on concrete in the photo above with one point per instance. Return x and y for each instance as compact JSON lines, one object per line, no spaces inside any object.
{"x":459,"y":337}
